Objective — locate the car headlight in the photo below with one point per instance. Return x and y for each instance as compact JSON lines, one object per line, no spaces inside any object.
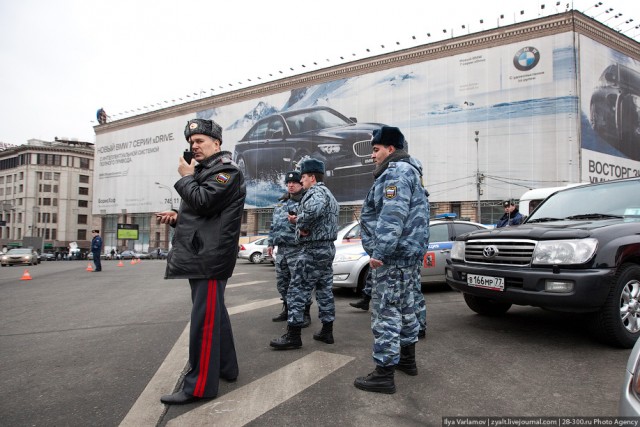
{"x":457,"y":251}
{"x":348,"y":257}
{"x":564,"y":252}
{"x":4,"y":258}
{"x":329,"y":148}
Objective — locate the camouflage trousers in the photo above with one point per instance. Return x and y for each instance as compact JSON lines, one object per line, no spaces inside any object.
{"x":419,"y":303}
{"x":312,"y":269}
{"x":284,"y":269}
{"x":393,"y":318}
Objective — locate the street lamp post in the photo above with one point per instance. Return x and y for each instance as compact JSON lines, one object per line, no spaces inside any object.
{"x":478,"y":177}
{"x":170,"y":193}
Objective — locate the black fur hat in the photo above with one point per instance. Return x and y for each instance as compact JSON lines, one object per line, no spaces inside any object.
{"x":292,"y":176}
{"x":203,"y":127}
{"x":311,"y":165}
{"x":388,"y":135}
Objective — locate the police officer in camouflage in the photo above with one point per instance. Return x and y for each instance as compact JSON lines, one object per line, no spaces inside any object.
{"x":283,"y":234}
{"x":316,"y":231}
{"x":395,"y":234}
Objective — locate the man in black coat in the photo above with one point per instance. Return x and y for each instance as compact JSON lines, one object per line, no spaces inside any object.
{"x":207,"y":228}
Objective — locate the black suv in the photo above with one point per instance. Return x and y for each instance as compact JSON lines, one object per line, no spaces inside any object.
{"x":579,"y":251}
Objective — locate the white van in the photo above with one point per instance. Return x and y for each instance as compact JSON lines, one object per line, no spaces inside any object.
{"x":532,"y":198}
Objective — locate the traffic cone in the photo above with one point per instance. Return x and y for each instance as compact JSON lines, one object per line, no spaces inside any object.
{"x":133,"y":261}
{"x":89,"y":268}
{"x":120,"y":264}
{"x":26,"y":275}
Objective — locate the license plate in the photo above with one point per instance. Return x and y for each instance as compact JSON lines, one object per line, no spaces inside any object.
{"x":487,"y":282}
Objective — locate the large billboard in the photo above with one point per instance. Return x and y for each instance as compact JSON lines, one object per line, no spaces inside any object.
{"x":610,"y":113}
{"x":521,"y":98}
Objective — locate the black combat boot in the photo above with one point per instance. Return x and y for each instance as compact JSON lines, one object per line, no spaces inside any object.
{"x":282,"y":317}
{"x":325,"y":334}
{"x":363,"y":304}
{"x":379,"y":381}
{"x":407,"y":362}
{"x":306,"y":321}
{"x":288,"y":341}
{"x":422,"y":333}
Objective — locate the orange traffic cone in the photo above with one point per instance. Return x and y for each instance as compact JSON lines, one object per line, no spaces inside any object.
{"x":26,"y":275}
{"x":120,"y":264}
{"x":133,"y":261}
{"x":89,"y":268}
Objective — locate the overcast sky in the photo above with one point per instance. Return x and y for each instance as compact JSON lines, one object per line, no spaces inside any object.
{"x":61,"y":60}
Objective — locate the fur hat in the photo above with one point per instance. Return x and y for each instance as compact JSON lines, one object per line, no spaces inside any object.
{"x":203,"y":127}
{"x":292,"y":176}
{"x":388,"y":135}
{"x":311,"y":165}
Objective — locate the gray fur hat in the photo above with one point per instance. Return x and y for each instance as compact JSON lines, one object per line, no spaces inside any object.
{"x":203,"y":127}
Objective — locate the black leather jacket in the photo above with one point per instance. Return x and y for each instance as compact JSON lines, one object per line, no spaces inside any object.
{"x":205,"y":241}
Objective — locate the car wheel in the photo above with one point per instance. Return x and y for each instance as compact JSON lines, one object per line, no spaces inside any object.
{"x":243,"y":167}
{"x":256,"y":257}
{"x":486,"y":306}
{"x":595,"y":119}
{"x":362,"y":280}
{"x":618,"y":322}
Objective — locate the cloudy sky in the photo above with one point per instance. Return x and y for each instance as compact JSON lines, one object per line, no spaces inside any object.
{"x":61,"y":60}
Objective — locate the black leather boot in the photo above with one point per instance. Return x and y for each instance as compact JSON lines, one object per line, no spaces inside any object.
{"x":363,"y":304}
{"x":289,"y":341}
{"x":282,"y":317}
{"x":325,"y":334}
{"x":306,"y":321}
{"x":379,"y":381}
{"x":422,"y":333}
{"x":407,"y":362}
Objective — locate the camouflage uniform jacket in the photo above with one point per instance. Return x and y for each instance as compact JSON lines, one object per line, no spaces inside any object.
{"x":395,"y":214}
{"x":282,"y":232}
{"x":318,"y":214}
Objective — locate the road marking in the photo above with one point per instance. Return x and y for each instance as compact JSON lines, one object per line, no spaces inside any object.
{"x":246,"y":283}
{"x":252,"y":400}
{"x":147,"y":410}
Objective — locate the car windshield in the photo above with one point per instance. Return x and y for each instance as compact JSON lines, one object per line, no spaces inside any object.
{"x":19,"y":251}
{"x":602,"y":201}
{"x":314,"y":120}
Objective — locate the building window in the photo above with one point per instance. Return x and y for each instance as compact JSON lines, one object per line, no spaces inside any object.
{"x":82,"y":234}
{"x":1,"y":179}
{"x":21,"y":176}
{"x":83,"y":203}
{"x":55,"y":188}
{"x":83,"y":191}
{"x":54,"y":234}
{"x":54,"y":218}
{"x":47,"y":175}
{"x":56,"y":176}
{"x":46,"y":201}
{"x":84,"y":163}
{"x":82,"y":219}
{"x":84,"y":179}
{"x":9,"y":178}
{"x":46,"y":188}
{"x":54,"y":202}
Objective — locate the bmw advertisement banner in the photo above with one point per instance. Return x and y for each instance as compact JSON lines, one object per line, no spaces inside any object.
{"x":610,"y":113}
{"x":521,"y":99}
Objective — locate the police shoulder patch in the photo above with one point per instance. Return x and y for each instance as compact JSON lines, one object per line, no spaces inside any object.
{"x":390,"y":191}
{"x":223,"y":177}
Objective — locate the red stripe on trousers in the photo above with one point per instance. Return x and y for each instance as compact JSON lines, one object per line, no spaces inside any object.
{"x":207,"y":337}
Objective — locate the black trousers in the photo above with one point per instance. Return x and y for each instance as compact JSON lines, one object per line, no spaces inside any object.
{"x":96,"y":260}
{"x":212,"y":354}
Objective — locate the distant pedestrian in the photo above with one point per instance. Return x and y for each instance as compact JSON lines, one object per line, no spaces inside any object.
{"x":113,"y":253}
{"x":511,"y":215}
{"x":395,"y":234}
{"x":96,"y":249}
{"x":207,"y":229}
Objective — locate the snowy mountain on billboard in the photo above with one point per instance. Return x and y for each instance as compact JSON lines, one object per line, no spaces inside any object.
{"x":260,"y":111}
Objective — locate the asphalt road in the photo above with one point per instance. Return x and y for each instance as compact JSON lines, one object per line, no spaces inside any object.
{"x":98,"y":349}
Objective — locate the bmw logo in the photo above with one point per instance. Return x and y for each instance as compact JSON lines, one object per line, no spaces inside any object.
{"x":526,"y":58}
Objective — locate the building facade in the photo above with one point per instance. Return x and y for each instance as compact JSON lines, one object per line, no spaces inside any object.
{"x":490,"y":115}
{"x":46,"y":195}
